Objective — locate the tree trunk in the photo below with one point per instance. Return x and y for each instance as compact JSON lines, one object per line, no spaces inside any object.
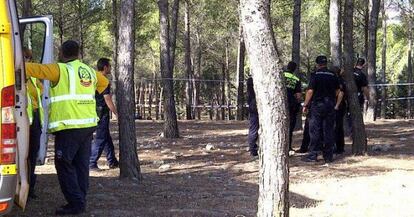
{"x":170,"y":114}
{"x":27,"y":8}
{"x":240,"y":72}
{"x":114,"y":70}
{"x":223,"y":90}
{"x":228,"y":83}
{"x":410,"y":63}
{"x":359,"y":145}
{"x":334,"y":30}
{"x":198,"y":76}
{"x":61,"y":23}
{"x":173,"y":34}
{"x":187,"y":63}
{"x":150,"y":97}
{"x":366,"y":26}
{"x":384,"y":60}
{"x":80,"y":26}
{"x":296,"y":33}
{"x":374,"y":6}
{"x":129,"y":163}
{"x":296,"y":49}
{"x":271,"y":103}
{"x":26,"y":12}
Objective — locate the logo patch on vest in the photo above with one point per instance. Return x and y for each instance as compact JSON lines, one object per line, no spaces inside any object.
{"x":85,"y":77}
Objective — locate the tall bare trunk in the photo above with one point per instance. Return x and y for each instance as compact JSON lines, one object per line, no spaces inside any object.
{"x":334,"y":30}
{"x":296,"y":48}
{"x":374,"y":8}
{"x":359,"y":145}
{"x":26,"y":12}
{"x":129,"y":163}
{"x":187,"y":60}
{"x":240,"y":74}
{"x":366,"y":26}
{"x":197,"y":76}
{"x":384,"y":59}
{"x":268,"y":83}
{"x":296,"y":33}
{"x":223,"y":90}
{"x":228,"y":83}
{"x":61,"y":23}
{"x":173,"y":33}
{"x":114,"y":70}
{"x":80,"y":29}
{"x":170,"y":114}
{"x":410,"y":63}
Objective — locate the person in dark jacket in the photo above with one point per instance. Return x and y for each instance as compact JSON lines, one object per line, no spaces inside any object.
{"x":253,"y":118}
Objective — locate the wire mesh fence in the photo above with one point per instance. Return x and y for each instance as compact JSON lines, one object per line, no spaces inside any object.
{"x":210,"y":99}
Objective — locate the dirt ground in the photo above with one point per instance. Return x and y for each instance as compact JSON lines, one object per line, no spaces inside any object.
{"x":223,"y":182}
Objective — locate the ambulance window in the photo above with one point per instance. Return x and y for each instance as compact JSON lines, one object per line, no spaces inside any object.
{"x":33,"y":41}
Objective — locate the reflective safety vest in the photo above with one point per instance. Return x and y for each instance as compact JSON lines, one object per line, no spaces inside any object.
{"x":30,"y":104}
{"x":291,"y":80}
{"x":72,"y":100}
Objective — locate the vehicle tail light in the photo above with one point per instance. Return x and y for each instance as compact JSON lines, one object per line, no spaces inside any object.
{"x":8,"y":127}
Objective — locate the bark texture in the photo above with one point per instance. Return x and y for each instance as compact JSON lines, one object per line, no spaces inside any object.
{"x":170,"y":114}
{"x":273,"y":116}
{"x":334,"y":32}
{"x":374,"y":8}
{"x":129,"y":163}
{"x":384,"y":60}
{"x":187,"y":63}
{"x":296,"y":33}
{"x":241,"y":52}
{"x":359,"y":143}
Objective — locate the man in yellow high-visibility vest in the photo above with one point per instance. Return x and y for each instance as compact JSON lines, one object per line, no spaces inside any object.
{"x":72,"y":119}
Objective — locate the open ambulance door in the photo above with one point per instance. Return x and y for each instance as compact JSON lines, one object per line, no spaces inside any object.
{"x":36,"y":34}
{"x":39,"y":38}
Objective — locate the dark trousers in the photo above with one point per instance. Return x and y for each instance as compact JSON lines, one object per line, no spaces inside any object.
{"x":322,"y":119}
{"x":339,"y":130}
{"x":103,"y":141}
{"x":34,"y":145}
{"x":253,"y":131}
{"x":72,"y":152}
{"x":293,"y":112}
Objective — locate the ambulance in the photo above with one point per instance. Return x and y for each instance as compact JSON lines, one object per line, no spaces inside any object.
{"x":35,"y":33}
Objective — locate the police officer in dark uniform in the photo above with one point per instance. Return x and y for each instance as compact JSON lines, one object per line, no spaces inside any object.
{"x":361,"y":81}
{"x":294,"y":95}
{"x":306,"y":138}
{"x":323,"y":90}
{"x":253,"y":118}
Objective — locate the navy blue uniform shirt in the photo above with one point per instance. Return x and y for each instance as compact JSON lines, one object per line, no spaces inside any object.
{"x":324,"y":83}
{"x":360,"y":81}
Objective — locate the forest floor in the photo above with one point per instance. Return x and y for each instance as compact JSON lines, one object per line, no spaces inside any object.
{"x":181,"y":178}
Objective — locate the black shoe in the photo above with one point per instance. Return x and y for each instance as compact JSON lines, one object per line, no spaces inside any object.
{"x":309,"y":159}
{"x":114,"y":165}
{"x":302,"y":151}
{"x":327,"y":161}
{"x":69,"y":210}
